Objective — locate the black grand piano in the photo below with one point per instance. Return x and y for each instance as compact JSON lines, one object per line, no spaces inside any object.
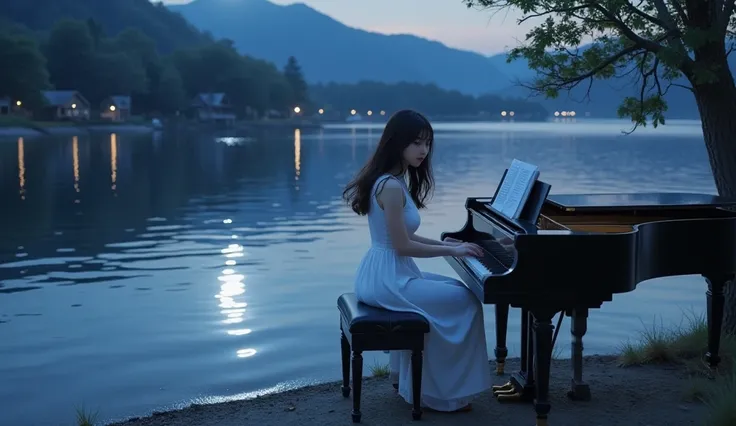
{"x":567,"y":254}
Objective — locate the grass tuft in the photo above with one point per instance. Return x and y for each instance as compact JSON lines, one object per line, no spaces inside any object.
{"x":720,"y":398}
{"x":85,"y":418}
{"x":380,"y":370}
{"x":687,"y":345}
{"x":683,"y":344}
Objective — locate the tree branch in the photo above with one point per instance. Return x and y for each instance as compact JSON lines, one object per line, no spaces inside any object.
{"x":725,"y":15}
{"x":680,"y":12}
{"x":564,"y":83}
{"x":555,"y":10}
{"x":665,"y":14}
{"x":628,"y":32}
{"x":638,"y":12}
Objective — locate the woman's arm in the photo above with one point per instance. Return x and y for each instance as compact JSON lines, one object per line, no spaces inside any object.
{"x":392,"y":199}
{"x":429,"y":241}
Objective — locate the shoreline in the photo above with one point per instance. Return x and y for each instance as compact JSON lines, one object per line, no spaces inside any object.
{"x":644,"y":395}
{"x":61,"y":130}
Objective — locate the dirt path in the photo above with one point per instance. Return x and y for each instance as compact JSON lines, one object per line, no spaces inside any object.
{"x":635,"y":396}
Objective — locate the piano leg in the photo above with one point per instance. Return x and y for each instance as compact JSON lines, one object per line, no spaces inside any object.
{"x":579,"y":390}
{"x":507,"y":388}
{"x":715,"y":301}
{"x":502,"y":321}
{"x":542,"y":329}
{"x":520,"y":387}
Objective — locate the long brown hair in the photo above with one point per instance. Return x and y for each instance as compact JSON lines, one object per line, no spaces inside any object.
{"x":403,"y":128}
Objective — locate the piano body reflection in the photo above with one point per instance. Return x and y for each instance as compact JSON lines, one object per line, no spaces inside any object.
{"x":570,"y":253}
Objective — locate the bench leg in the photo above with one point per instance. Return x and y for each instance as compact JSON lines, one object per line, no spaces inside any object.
{"x":416,"y":383}
{"x":345,"y":347}
{"x":357,"y":382}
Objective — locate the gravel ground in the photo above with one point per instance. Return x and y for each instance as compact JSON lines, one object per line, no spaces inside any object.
{"x":635,"y":396}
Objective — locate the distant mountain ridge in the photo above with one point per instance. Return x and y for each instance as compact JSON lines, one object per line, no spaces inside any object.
{"x":331,"y":51}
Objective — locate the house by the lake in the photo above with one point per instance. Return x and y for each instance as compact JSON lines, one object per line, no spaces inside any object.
{"x":116,"y":108}
{"x":213,"y":107}
{"x":4,"y":105}
{"x":64,"y":105}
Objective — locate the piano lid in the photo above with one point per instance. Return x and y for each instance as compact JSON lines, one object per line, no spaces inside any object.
{"x":632,"y":201}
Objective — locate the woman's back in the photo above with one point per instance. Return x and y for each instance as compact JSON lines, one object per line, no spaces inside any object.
{"x":377,"y":225}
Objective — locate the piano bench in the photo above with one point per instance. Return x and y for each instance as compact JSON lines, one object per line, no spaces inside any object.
{"x":367,"y":328}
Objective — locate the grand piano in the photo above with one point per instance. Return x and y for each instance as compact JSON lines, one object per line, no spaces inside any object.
{"x":568,"y":254}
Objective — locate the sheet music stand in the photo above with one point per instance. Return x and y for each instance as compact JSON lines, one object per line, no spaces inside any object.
{"x":532,"y":206}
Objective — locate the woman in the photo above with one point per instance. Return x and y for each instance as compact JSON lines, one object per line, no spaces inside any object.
{"x":455,"y":366}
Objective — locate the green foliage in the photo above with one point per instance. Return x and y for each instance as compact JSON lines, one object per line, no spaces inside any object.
{"x":169,"y":30}
{"x":78,"y":55}
{"x":70,"y":52}
{"x":660,"y":43}
{"x":23,"y":73}
{"x":295,"y":78}
{"x":252,"y":85}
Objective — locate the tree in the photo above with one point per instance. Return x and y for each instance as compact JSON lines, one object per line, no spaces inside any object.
{"x":168,"y":95}
{"x":295,"y":78}
{"x":251,"y":84}
{"x":117,"y":74}
{"x":70,"y":53}
{"x":96,"y":30}
{"x":664,"y":42}
{"x":24,"y":74}
{"x":142,"y":51}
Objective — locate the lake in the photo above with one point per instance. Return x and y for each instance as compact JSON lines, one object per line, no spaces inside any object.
{"x":145,"y":272}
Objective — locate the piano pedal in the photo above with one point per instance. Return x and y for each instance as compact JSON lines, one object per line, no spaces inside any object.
{"x":500,"y":368}
{"x":511,"y":397}
{"x":504,"y":387}
{"x":504,"y":391}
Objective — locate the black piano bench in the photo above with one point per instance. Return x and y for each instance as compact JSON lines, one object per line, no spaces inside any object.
{"x":367,"y":328}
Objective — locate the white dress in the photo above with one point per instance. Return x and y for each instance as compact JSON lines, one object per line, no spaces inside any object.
{"x":455,"y":366}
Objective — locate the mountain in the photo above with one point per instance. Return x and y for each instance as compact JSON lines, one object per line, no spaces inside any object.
{"x":169,"y":30}
{"x":603,"y":98}
{"x":328,"y":50}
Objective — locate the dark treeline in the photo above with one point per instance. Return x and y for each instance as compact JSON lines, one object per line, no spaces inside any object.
{"x":79,"y":55}
{"x":428,"y":98}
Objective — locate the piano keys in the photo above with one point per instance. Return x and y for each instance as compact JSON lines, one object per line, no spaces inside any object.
{"x":568,"y":254}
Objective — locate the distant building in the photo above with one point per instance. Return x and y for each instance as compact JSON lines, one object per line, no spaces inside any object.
{"x":65,"y":105}
{"x":4,"y":106}
{"x":116,"y":108}
{"x":213,"y":107}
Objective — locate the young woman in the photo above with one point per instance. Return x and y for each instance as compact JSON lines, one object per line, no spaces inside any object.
{"x":455,"y":366}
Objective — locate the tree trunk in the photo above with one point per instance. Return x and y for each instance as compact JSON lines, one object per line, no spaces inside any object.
{"x":717,"y":105}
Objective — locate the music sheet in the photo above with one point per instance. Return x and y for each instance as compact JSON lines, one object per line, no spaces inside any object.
{"x":515,"y":188}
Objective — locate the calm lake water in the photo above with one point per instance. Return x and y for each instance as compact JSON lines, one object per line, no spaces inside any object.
{"x":144,"y":272}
